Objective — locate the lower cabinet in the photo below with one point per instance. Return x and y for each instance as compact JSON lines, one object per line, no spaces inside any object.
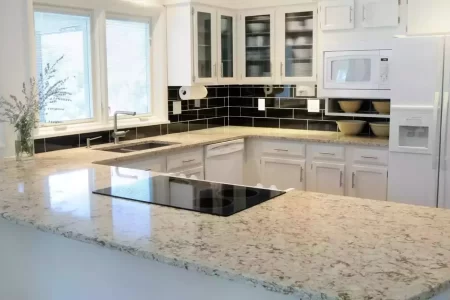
{"x":369,"y":182}
{"x":327,"y":178}
{"x":283,"y":173}
{"x":156,"y":164}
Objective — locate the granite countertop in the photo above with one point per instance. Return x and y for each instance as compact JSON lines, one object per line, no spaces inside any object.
{"x":314,"y":246}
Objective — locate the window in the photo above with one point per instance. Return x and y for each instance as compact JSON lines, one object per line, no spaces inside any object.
{"x":128,"y":66}
{"x":66,"y":35}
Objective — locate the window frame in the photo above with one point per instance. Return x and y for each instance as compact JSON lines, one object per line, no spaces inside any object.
{"x":91,"y":58}
{"x":155,"y":16}
{"x":130,"y":18}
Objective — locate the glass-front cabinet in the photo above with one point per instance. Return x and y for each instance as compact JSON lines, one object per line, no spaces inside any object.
{"x":205,"y":45}
{"x":226,"y":46}
{"x":296,"y":40}
{"x":257,"y":51}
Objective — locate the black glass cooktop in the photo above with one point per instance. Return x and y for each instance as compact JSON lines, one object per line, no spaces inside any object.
{"x":200,"y":196}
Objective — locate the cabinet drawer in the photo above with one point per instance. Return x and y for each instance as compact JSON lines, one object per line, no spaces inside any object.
{"x":185,"y":159}
{"x":291,"y":148}
{"x":327,"y":152}
{"x":370,"y":156}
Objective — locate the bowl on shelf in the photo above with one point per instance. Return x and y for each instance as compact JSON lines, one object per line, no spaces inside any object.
{"x":383,"y":107}
{"x":380,"y":129}
{"x":351,"y":127}
{"x":302,"y":53}
{"x":294,"y":25}
{"x":309,"y":24}
{"x":350,"y":106}
{"x":256,"y":27}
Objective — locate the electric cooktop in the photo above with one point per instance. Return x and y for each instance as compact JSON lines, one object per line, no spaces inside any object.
{"x":195,"y":195}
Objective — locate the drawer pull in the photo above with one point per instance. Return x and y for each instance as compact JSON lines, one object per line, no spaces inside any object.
{"x":327,"y":153}
{"x":301,"y":174}
{"x":340,"y":179}
{"x":369,"y":157}
{"x":188,"y":161}
{"x":282,"y":150}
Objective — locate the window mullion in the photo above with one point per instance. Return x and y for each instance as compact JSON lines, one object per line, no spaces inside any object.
{"x":101,"y":100}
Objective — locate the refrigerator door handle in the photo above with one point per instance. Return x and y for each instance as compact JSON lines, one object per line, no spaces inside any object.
{"x":435,"y":145}
{"x":445,"y":113}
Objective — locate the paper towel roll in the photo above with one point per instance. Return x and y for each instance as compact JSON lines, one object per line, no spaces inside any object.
{"x":193,"y":92}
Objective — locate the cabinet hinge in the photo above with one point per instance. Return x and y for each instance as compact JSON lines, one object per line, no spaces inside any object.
{"x":193,"y":78}
{"x":387,"y":174}
{"x":192,"y":11}
{"x":398,"y":20}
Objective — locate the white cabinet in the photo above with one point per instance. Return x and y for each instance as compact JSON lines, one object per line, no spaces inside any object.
{"x":295,"y":35}
{"x":185,"y":160}
{"x":337,"y":14}
{"x":368,"y":182}
{"x":380,"y":13}
{"x":257,"y":46}
{"x":327,"y":178}
{"x":283,"y":173}
{"x":201,"y":45}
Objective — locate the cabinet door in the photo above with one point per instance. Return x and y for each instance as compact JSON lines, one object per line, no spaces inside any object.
{"x":197,"y":172}
{"x":296,"y":40}
{"x":205,"y":52}
{"x":337,"y":14}
{"x":328,"y":178}
{"x":283,"y":173}
{"x":227,"y":46}
{"x":380,"y":13}
{"x":257,"y":46}
{"x":369,"y":182}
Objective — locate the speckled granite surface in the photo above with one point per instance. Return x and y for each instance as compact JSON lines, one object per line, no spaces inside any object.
{"x":311,"y":245}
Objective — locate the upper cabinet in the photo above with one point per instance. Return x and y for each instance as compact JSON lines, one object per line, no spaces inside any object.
{"x":201,"y":45}
{"x":257,"y":52}
{"x":278,"y":46}
{"x":380,"y":13}
{"x":337,"y":14}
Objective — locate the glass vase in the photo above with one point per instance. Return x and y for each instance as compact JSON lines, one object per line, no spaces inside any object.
{"x":24,"y":146}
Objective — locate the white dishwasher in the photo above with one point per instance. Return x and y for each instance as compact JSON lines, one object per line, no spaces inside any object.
{"x":225,"y":162}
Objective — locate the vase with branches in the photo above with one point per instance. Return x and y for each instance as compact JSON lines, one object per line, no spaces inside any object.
{"x":39,"y":97}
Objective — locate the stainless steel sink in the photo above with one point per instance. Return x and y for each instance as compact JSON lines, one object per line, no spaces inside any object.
{"x":137,"y":147}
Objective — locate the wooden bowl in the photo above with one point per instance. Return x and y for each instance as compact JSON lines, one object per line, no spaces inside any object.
{"x":351,"y":127}
{"x":380,"y":129}
{"x":350,"y":106}
{"x":383,"y":107}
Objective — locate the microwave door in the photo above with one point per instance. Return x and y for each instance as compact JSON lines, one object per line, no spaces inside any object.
{"x":352,"y":72}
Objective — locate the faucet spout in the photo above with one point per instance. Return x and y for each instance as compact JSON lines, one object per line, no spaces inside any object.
{"x":118,"y":134}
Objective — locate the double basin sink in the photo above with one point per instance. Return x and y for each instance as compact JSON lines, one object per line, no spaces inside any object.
{"x":137,"y":147}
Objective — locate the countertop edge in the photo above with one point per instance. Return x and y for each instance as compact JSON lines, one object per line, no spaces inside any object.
{"x":187,"y":265}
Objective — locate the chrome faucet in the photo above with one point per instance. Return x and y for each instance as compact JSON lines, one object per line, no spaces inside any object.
{"x":118,"y":134}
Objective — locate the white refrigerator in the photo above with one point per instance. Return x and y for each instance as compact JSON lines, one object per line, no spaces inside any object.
{"x":419,"y":145}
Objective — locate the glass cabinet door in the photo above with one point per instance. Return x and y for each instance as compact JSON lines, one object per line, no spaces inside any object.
{"x":227,"y":46}
{"x":299,"y":41}
{"x":204,"y":45}
{"x":258,"y":46}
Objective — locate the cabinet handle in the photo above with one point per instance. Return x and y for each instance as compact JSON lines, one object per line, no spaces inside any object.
{"x":327,"y":153}
{"x":301,"y":174}
{"x":364,"y":13}
{"x":282,"y":150}
{"x":351,"y":17}
{"x":221,"y":70}
{"x":369,"y":157}
{"x":353,"y":180}
{"x":281,"y":69}
{"x":188,"y":161}
{"x":340,"y":179}
{"x":215,"y":70}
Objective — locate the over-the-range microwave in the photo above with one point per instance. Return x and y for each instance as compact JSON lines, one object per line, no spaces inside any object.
{"x":357,"y":70}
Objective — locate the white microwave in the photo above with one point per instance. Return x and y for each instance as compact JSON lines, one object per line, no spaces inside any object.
{"x":357,"y":70}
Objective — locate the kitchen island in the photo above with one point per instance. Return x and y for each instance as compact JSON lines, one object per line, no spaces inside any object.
{"x":298,"y":246}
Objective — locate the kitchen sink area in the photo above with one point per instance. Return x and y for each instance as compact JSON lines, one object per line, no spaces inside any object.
{"x":137,"y":147}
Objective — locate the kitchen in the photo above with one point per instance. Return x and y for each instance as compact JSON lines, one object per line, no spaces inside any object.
{"x":294,"y":244}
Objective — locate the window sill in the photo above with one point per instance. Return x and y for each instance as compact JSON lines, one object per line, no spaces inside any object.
{"x":63,"y":130}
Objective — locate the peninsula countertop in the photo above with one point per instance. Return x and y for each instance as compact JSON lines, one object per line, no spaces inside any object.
{"x":311,"y":245}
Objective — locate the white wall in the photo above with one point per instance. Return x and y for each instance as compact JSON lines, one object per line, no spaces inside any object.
{"x":14,"y":62}
{"x":241,"y":4}
{"x":428,"y":16}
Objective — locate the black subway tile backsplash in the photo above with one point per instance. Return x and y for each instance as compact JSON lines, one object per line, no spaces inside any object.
{"x":294,"y":124}
{"x":105,"y":138}
{"x":280,"y":113}
{"x":149,"y":131}
{"x":266,"y":122}
{"x":322,"y":125}
{"x":62,"y":143}
{"x":198,"y":125}
{"x":241,"y":121}
{"x":39,"y":146}
{"x":252,"y":112}
{"x":217,"y":122}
